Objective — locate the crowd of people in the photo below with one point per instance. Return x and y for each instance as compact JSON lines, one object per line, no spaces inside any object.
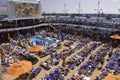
{"x":112,"y":66}
{"x":74,"y":55}
{"x":95,"y":61}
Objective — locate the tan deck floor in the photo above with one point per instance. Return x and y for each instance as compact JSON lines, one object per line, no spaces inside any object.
{"x":43,"y":72}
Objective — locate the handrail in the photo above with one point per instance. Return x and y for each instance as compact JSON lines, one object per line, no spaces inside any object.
{"x":52,"y":25}
{"x":22,"y":28}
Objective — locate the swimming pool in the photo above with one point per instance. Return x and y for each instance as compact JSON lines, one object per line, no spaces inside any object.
{"x":44,"y":40}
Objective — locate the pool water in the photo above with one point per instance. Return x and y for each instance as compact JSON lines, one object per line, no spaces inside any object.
{"x":43,"y":39}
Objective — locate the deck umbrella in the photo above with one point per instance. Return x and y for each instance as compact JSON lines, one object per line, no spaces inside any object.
{"x":35,"y":48}
{"x":19,"y":68}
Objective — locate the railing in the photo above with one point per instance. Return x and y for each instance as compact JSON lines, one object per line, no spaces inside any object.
{"x":52,"y":25}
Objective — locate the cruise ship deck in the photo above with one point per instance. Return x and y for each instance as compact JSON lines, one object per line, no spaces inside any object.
{"x":38,"y":45}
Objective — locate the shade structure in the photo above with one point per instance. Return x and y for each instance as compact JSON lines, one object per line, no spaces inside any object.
{"x":38,"y":42}
{"x":64,"y":62}
{"x":62,"y":36}
{"x":97,"y":37}
{"x":20,"y":43}
{"x":2,"y":52}
{"x":8,"y":35}
{"x":46,"y":29}
{"x":115,"y":36}
{"x":75,"y":33}
{"x":19,"y":68}
{"x":35,"y":48}
{"x":112,"y":77}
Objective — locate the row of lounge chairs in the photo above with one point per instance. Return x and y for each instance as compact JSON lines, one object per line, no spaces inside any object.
{"x":112,"y":66}
{"x":28,"y":57}
{"x":93,"y":63}
{"x":59,"y":73}
{"x":68,"y":44}
{"x":30,"y":75}
{"x":48,"y":63}
{"x":46,"y":52}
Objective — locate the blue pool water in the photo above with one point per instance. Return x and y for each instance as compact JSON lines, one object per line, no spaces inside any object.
{"x":43,"y":39}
